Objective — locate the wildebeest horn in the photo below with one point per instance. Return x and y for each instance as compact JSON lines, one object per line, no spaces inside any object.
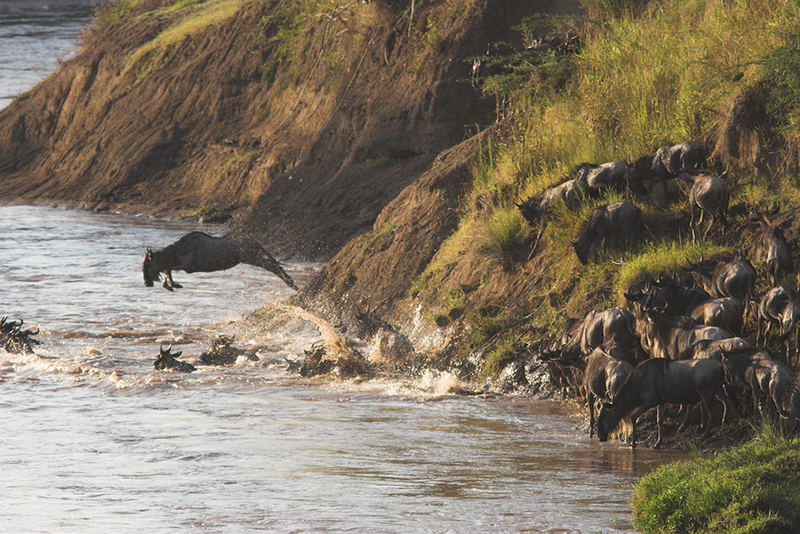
{"x":691,"y":265}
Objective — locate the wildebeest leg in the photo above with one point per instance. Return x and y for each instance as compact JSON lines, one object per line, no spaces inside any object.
{"x":728,"y":398}
{"x":590,"y":402}
{"x":658,"y":427}
{"x":758,"y":329}
{"x":634,"y":416}
{"x":686,"y":408}
{"x":710,"y":225}
{"x":172,"y":283}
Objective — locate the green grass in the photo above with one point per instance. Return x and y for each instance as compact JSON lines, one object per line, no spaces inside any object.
{"x":506,"y":232}
{"x":750,"y":489}
{"x":202,"y":15}
{"x":109,"y":13}
{"x":662,"y":257}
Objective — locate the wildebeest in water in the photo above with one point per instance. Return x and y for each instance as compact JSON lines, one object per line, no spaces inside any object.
{"x":622,"y":220}
{"x":660,"y":381}
{"x":200,"y":252}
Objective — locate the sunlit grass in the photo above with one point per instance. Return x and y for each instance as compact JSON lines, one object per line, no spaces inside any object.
{"x":204,"y":15}
{"x":662,"y":257}
{"x":748,"y":489}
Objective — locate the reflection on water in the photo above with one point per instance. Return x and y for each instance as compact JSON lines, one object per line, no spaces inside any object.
{"x":96,"y":440}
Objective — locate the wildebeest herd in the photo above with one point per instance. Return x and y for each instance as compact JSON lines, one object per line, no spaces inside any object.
{"x":683,"y":339}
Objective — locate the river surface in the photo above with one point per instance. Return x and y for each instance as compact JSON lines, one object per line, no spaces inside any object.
{"x":34,"y":36}
{"x":96,"y":440}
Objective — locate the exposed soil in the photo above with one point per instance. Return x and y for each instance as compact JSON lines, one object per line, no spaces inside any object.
{"x":311,"y":154}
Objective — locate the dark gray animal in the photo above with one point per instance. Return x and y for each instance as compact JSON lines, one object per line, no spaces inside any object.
{"x":708,"y":195}
{"x":667,"y":162}
{"x":725,"y":312}
{"x":612,"y":175}
{"x":15,"y":339}
{"x":609,"y":221}
{"x":668,"y":296}
{"x":200,"y":252}
{"x":719,"y":349}
{"x":660,"y":381}
{"x":772,"y":249}
{"x":673,"y":338}
{"x":167,"y":360}
{"x":602,"y":379}
{"x":611,"y":326}
{"x":778,"y":306}
{"x":771,"y":379}
{"x":735,"y":278}
{"x":613,"y":329}
{"x":570,"y":192}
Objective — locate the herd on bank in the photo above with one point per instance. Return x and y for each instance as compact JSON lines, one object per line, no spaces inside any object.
{"x":683,"y":341}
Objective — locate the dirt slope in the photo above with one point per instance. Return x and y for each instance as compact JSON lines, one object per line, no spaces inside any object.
{"x":317,"y":130}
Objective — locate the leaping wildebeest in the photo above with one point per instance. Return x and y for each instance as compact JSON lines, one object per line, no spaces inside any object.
{"x":200,"y":252}
{"x":660,"y":381}
{"x":708,"y":195}
{"x":609,"y":221}
{"x":772,"y":249}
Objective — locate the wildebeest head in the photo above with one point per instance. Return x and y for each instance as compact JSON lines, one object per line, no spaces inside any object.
{"x":168,"y":360}
{"x":149,"y":271}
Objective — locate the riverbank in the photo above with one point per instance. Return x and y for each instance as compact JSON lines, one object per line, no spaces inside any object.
{"x":373,"y":170}
{"x":747,"y":489}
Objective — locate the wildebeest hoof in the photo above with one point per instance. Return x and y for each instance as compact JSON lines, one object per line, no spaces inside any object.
{"x":177,"y":285}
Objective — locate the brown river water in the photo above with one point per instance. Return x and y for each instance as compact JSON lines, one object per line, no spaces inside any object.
{"x":96,"y":440}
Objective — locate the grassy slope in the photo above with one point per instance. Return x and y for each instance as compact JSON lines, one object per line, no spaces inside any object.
{"x":661,"y":74}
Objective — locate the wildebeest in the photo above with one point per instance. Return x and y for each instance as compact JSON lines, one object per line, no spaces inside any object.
{"x":668,"y":296}
{"x":167,"y":360}
{"x":612,"y":175}
{"x":15,"y":339}
{"x":667,"y":162}
{"x":673,"y":337}
{"x":660,"y":381}
{"x":735,"y":278}
{"x":718,"y":349}
{"x":602,"y":379}
{"x":609,"y":221}
{"x":708,"y":195}
{"x":611,"y":326}
{"x":725,"y":312}
{"x":772,"y":250}
{"x":200,"y":252}
{"x":778,"y":306}
{"x":613,"y":329}
{"x":569,"y":192}
{"x":770,"y":378}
